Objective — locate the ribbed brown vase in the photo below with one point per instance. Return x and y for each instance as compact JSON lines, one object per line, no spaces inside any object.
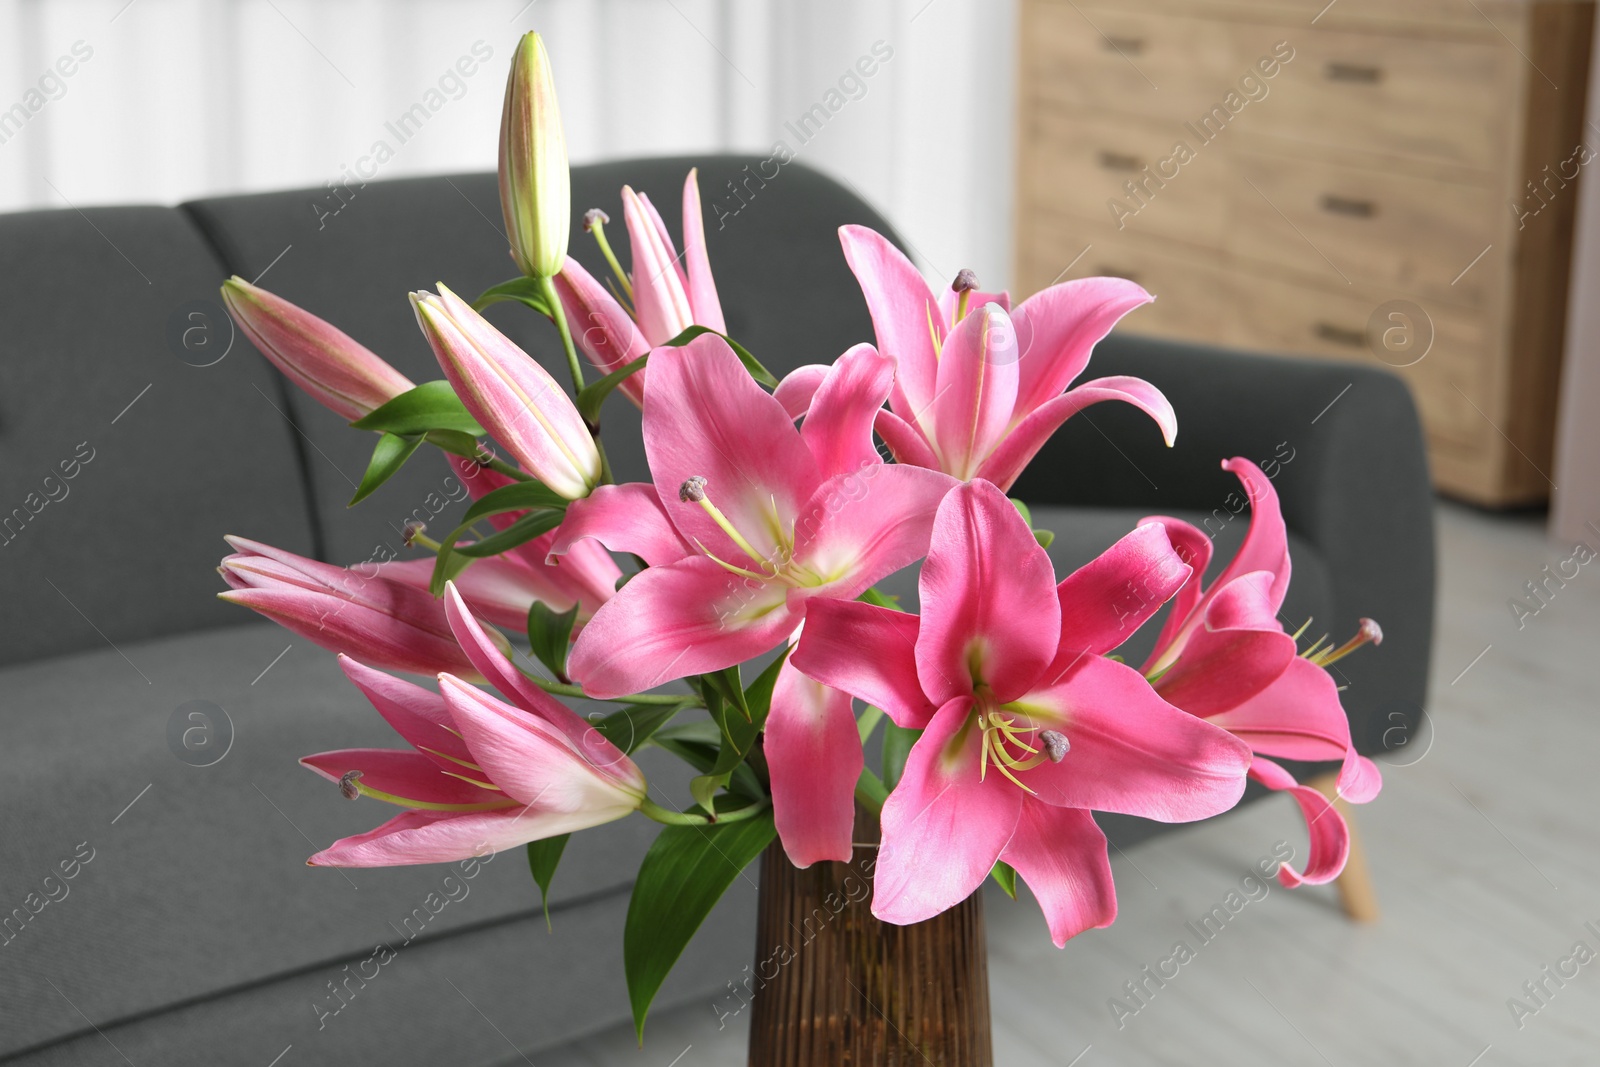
{"x":834,"y":987}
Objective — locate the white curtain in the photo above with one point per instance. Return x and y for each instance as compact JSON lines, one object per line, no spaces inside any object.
{"x":908,"y":101}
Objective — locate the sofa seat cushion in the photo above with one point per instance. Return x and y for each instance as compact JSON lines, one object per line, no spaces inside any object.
{"x":190,"y":881}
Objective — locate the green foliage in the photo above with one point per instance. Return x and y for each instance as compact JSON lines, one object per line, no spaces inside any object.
{"x":528,"y":291}
{"x":542,"y":859}
{"x":549,"y":632}
{"x":430,"y":406}
{"x":592,"y":396}
{"x":751,"y":364}
{"x":388,"y":456}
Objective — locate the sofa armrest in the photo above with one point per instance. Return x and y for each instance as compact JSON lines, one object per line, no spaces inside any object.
{"x":1344,"y":446}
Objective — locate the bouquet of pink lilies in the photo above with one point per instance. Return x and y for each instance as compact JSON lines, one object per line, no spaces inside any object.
{"x":768,"y":521}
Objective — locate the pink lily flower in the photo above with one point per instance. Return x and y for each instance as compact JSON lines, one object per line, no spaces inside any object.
{"x":484,"y":774}
{"x":749,"y":518}
{"x":1027,"y":726}
{"x":1224,"y":655}
{"x":333,"y":368}
{"x":510,"y":394}
{"x":668,"y":296}
{"x":344,"y":609}
{"x":979,"y":392}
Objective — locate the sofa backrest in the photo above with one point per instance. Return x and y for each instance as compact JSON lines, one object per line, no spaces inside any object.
{"x":352,"y":257}
{"x":124,"y":459}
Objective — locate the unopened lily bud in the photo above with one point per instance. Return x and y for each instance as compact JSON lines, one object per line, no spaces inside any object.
{"x":333,"y":368}
{"x":535,"y":186}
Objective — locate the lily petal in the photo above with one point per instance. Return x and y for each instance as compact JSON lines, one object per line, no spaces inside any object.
{"x":702,"y":288}
{"x":1131,"y":752}
{"x":658,"y":296}
{"x":410,"y":779}
{"x":867,"y":651}
{"x":814,"y":755}
{"x":1194,"y":548}
{"x":975,"y":391}
{"x":798,"y":387}
{"x":706,"y":417}
{"x":624,"y":518}
{"x":445,"y":837}
{"x":1029,"y":435}
{"x":1330,"y":837}
{"x":1239,"y":652}
{"x":603,"y":331}
{"x":861,"y":527}
{"x":1297,"y":717}
{"x":1058,"y":327}
{"x":688,"y":617}
{"x":943,"y":825}
{"x":838,"y":426}
{"x":1061,"y":853}
{"x":988,"y":594}
{"x":418,"y":715}
{"x":1107,"y":599}
{"x":905,"y":316}
{"x":905,"y":440}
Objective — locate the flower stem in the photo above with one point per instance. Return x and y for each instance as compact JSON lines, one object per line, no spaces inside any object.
{"x":870,"y":792}
{"x":558,"y":315}
{"x":564,"y":689}
{"x":651,"y":810}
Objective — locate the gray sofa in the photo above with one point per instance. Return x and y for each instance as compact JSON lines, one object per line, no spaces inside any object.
{"x":155,"y":902}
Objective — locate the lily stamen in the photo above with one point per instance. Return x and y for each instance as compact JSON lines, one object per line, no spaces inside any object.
{"x":1369,"y":632}
{"x":693,"y":491}
{"x":966,"y":281}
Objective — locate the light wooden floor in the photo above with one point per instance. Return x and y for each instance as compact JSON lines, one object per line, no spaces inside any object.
{"x":1485,"y":849}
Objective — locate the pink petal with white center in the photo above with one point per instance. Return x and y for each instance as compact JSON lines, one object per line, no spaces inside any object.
{"x":409,"y":779}
{"x":867,"y":651}
{"x":861,"y":527}
{"x":702,"y":287}
{"x":1330,"y":837}
{"x":659,"y":300}
{"x":1107,"y":599}
{"x":1062,"y":855}
{"x":445,"y":837}
{"x":799,"y":386}
{"x":533,"y":763}
{"x":668,"y":622}
{"x":1029,"y":435}
{"x":814,"y":757}
{"x":1058,"y":327}
{"x":624,"y":518}
{"x":1130,"y":751}
{"x":706,"y":417}
{"x":905,"y":441}
{"x":974,"y":391}
{"x":943,"y":825}
{"x":838,"y":426}
{"x":988,"y":595}
{"x":418,"y":715}
{"x":905,"y":316}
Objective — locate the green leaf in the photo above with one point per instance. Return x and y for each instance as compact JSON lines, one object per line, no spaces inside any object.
{"x":868,"y":722}
{"x":871,"y":792}
{"x":1006,"y":876}
{"x":549,"y":632}
{"x":751,"y":364}
{"x":1044,"y":537}
{"x":542,"y":859}
{"x":731,"y":689}
{"x":704,"y":788}
{"x":701,"y":755}
{"x":758,"y":697}
{"x":452,"y":560}
{"x":882,"y":600}
{"x":1023,"y":510}
{"x":592,"y":396}
{"x":630,"y":727}
{"x":523,"y":290}
{"x":388,"y":456}
{"x":430,"y":406}
{"x":684,"y":874}
{"x":518,"y":496}
{"x":897,"y":742}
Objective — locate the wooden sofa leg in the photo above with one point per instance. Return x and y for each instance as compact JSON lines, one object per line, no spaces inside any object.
{"x":1356,"y":895}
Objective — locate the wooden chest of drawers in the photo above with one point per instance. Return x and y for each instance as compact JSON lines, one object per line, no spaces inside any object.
{"x":1371,"y":180}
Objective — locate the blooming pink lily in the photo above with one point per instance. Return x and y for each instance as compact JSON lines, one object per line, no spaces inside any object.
{"x":668,"y":296}
{"x":1027,"y":726}
{"x":333,"y":368}
{"x":351,"y":610}
{"x":483,"y":774}
{"x":979,"y":392}
{"x":1223,"y":655}
{"x":510,"y":394}
{"x":748,"y":519}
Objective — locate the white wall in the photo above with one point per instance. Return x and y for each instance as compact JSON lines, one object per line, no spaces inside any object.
{"x":185,"y":98}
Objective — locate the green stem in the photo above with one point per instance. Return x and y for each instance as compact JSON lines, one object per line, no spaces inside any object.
{"x":558,"y":315}
{"x":651,"y":810}
{"x":871,"y":792}
{"x":563,"y":689}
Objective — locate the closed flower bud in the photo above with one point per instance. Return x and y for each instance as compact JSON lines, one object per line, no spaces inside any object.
{"x":535,"y":187}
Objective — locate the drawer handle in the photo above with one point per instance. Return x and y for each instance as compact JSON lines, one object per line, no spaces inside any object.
{"x":1340,"y":335}
{"x":1359,"y":73}
{"x":1128,"y":46}
{"x":1105,"y":271}
{"x":1344,"y":205}
{"x":1120,"y":161}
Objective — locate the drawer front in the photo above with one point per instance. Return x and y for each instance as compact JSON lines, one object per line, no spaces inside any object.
{"x":1107,"y":60}
{"x":1435,"y":100}
{"x":1187,"y":294}
{"x":1082,"y":166}
{"x":1451,"y":15}
{"x":1272,"y":314}
{"x":1383,"y":229}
